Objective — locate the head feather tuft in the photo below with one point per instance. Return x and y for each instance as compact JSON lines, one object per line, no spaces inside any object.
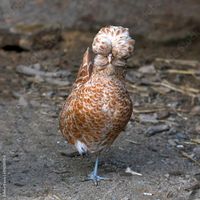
{"x":115,"y":40}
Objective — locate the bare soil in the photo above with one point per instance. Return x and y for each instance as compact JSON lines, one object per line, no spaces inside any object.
{"x":41,"y":165}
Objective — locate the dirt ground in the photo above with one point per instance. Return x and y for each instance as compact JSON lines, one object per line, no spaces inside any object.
{"x":161,"y":141}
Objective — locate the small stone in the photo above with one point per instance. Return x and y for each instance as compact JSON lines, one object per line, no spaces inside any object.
{"x":172,"y":142}
{"x":166,"y":175}
{"x":19,"y":184}
{"x":187,"y":176}
{"x":176,"y":173}
{"x":147,"y":69}
{"x":172,"y":131}
{"x":195,"y":110}
{"x":48,"y":94}
{"x":156,"y":129}
{"x":125,"y":198}
{"x":148,"y":118}
{"x":197,"y":176}
{"x":37,"y":66}
{"x":181,"y":136}
{"x":147,"y":194}
{"x":197,"y":128}
{"x":196,"y":151}
{"x":34,"y":103}
{"x":180,"y":146}
{"x":22,"y":101}
{"x":173,"y":105}
{"x":38,"y":79}
{"x":163,"y":115}
{"x":150,"y":162}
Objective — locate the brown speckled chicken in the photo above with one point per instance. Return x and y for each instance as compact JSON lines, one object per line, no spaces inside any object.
{"x":99,"y":106}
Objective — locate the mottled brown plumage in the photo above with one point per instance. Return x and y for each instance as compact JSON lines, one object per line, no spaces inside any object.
{"x":99,"y":107}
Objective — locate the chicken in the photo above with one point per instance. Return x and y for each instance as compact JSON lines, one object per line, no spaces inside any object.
{"x":99,"y":107}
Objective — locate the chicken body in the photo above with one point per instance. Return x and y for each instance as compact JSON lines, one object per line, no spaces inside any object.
{"x":97,"y":110}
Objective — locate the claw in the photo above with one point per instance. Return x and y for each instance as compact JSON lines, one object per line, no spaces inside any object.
{"x":94,"y":177}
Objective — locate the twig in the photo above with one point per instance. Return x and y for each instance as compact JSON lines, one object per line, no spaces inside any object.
{"x":36,"y":72}
{"x":147,"y":194}
{"x":57,"y":82}
{"x":133,"y":142}
{"x":192,"y":143}
{"x":182,"y":89}
{"x":193,"y":92}
{"x":184,"y":72}
{"x":161,"y":62}
{"x":196,"y":141}
{"x":134,"y":86}
{"x":130,"y":171}
{"x":61,"y":172}
{"x":149,"y":110}
{"x":190,"y":158}
{"x":158,"y":109}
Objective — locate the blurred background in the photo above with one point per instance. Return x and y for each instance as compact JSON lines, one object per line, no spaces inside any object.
{"x":41,"y":47}
{"x":30,"y":30}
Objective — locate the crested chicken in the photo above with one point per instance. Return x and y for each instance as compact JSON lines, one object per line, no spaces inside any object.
{"x":99,"y":106}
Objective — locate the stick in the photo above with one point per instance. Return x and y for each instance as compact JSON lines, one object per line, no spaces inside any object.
{"x":190,"y":158}
{"x":36,"y":72}
{"x":170,"y":63}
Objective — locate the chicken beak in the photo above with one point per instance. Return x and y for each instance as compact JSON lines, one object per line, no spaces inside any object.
{"x":110,"y":58}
